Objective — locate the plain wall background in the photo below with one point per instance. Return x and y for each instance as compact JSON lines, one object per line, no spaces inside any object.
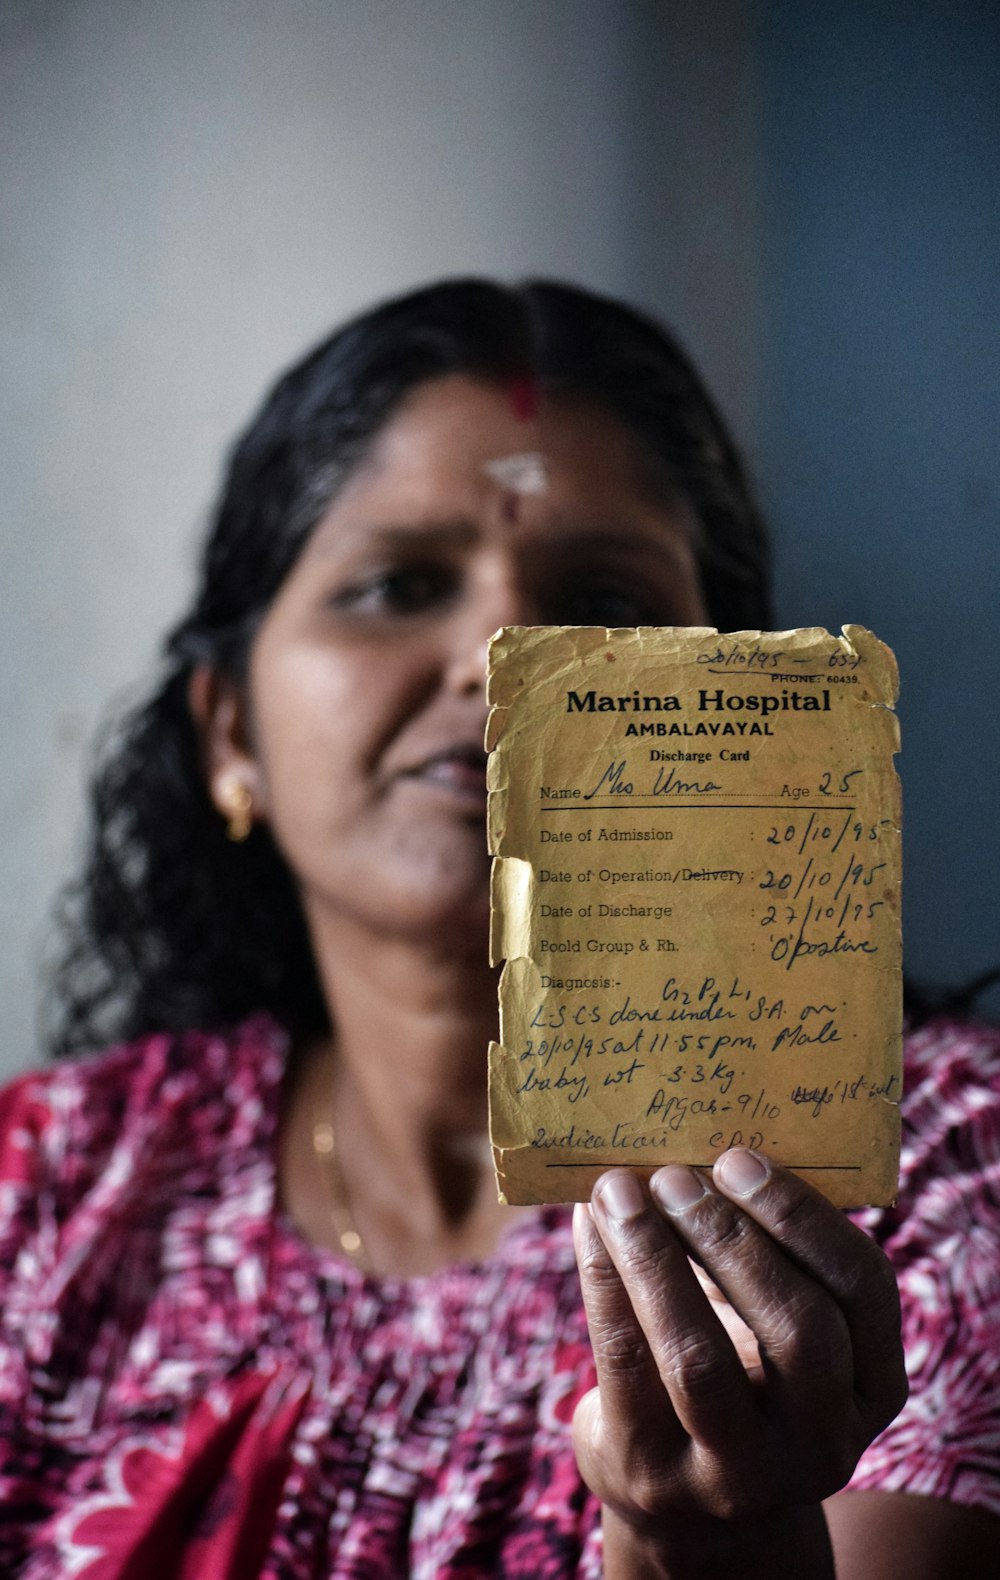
{"x":879,"y":404}
{"x":194,"y":190}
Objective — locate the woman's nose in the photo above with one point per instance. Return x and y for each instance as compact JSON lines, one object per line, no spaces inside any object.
{"x":504,"y":600}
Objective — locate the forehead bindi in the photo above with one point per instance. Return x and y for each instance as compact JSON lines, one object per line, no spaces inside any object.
{"x":456,"y":437}
{"x":519,"y":477}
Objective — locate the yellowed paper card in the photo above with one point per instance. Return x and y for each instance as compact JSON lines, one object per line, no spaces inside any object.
{"x":696,"y":892}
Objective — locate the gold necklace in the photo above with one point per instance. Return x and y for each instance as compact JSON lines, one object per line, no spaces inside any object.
{"x":324,"y":1141}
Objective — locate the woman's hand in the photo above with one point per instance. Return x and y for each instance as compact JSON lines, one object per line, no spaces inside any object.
{"x":711,"y":1443}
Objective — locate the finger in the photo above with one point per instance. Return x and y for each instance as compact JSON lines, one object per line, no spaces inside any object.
{"x":804,"y":1342}
{"x":629,"y":1385}
{"x":742,"y":1338}
{"x":607,"y":1457}
{"x":692,"y":1358}
{"x":833,"y":1251}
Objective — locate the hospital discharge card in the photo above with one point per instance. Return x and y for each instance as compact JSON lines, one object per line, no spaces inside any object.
{"x":696,"y":895}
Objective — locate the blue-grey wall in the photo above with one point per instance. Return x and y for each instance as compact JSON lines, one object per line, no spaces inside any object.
{"x":879,"y":448}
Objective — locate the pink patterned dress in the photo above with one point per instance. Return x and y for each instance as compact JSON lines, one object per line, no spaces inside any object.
{"x":190,"y":1391}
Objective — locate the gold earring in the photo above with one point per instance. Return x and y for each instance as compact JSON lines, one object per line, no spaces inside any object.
{"x":237,"y":799}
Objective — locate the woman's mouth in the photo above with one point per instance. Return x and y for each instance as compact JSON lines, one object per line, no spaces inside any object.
{"x":458,"y":769}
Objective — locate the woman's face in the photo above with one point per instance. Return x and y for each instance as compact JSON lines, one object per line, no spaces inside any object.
{"x":367,"y":678}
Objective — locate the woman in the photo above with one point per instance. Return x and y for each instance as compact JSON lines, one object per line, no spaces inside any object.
{"x":264,"y":1315}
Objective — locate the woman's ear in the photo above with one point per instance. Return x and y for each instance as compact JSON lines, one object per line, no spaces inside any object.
{"x":220,"y":712}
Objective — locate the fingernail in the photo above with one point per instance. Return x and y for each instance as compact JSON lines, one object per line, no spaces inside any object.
{"x":582,"y":1214}
{"x":676,"y":1188}
{"x":741,"y":1172}
{"x":621,"y":1195}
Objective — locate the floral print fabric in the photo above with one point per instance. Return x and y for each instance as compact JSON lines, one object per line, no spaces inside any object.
{"x":190,"y":1390}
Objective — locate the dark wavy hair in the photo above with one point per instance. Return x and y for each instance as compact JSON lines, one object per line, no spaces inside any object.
{"x":170,"y":924}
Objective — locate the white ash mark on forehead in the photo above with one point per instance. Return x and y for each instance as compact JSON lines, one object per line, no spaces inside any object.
{"x":522,"y":474}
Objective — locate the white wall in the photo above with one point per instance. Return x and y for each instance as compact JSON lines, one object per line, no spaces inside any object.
{"x":193,"y":190}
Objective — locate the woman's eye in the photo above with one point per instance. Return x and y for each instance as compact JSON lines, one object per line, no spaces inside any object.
{"x":401,"y":590}
{"x":603,"y":603}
